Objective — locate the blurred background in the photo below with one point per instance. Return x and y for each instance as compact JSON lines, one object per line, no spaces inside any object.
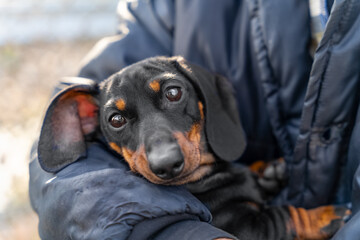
{"x":40,"y":42}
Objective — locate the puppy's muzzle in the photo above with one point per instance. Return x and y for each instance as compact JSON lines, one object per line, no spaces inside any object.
{"x":164,"y":155}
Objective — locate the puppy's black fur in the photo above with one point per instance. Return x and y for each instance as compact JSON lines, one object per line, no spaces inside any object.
{"x":176,"y":123}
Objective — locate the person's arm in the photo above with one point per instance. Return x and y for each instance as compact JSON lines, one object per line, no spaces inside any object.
{"x":98,"y":197}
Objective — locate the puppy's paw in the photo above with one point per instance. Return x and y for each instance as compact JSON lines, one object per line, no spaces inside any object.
{"x":318,"y":223}
{"x":272,"y":175}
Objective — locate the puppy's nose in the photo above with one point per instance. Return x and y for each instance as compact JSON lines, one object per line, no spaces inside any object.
{"x":165,"y":160}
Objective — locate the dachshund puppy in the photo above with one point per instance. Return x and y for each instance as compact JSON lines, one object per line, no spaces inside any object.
{"x":175,"y":123}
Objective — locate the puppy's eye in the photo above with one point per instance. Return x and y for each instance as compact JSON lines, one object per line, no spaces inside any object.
{"x":117,"y":121}
{"x":173,"y":94}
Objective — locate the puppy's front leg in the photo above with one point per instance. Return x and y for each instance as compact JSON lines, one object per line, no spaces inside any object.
{"x":233,"y":195}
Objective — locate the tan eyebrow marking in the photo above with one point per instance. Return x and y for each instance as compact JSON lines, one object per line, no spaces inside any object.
{"x":120,"y":104}
{"x":155,"y":85}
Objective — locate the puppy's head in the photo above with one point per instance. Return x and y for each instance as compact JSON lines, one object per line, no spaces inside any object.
{"x":167,"y":118}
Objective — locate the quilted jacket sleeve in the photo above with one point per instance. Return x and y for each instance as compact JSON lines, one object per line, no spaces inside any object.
{"x":99,"y":198}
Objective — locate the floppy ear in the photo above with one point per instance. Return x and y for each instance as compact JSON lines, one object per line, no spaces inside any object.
{"x":222,"y":123}
{"x":71,"y":116}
